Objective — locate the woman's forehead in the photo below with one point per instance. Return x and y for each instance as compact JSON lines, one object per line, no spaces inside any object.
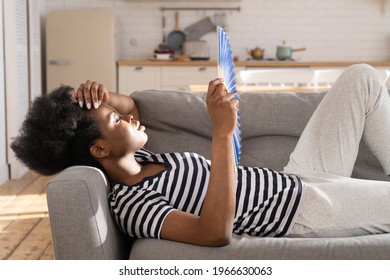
{"x":103,"y":111}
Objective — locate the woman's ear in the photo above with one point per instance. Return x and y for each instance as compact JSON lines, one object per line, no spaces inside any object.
{"x":99,"y":151}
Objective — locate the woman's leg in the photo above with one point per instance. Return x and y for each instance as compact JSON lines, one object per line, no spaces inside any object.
{"x":357,"y":106}
{"x":335,"y":205}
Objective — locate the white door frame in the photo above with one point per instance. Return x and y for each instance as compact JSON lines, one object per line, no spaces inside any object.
{"x":4,"y":170}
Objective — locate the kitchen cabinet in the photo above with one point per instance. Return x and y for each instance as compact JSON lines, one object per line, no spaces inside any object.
{"x":179,"y":75}
{"x":134,"y":78}
{"x":164,"y":76}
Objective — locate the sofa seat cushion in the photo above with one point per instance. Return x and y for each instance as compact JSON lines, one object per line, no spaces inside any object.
{"x":246,"y":248}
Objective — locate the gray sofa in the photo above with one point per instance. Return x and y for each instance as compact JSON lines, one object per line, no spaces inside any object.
{"x":82,"y":227}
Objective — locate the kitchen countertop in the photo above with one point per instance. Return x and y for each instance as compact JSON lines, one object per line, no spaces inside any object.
{"x":252,"y":63}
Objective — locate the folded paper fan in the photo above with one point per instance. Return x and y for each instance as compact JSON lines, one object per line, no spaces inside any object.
{"x":226,"y":71}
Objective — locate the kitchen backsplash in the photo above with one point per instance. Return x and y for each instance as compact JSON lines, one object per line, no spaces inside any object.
{"x":331,"y":30}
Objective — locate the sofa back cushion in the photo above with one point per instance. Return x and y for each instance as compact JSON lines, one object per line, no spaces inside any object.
{"x":271,"y":126}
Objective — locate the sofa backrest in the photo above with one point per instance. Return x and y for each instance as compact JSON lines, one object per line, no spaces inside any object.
{"x":271,"y":122}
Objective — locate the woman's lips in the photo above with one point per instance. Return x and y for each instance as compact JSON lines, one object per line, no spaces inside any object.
{"x":139,"y":126}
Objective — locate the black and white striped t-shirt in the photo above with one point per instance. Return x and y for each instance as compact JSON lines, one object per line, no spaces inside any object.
{"x":266,"y":201}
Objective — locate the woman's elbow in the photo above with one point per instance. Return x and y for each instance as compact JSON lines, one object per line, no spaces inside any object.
{"x":221,"y":240}
{"x":224,"y":242}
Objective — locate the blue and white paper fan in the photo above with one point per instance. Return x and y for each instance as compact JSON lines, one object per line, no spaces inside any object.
{"x":226,"y":71}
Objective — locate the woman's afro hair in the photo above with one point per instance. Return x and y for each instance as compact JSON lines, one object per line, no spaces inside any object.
{"x":56,"y":133}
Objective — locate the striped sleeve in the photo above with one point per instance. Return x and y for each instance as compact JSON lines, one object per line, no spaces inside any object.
{"x":140,"y":214}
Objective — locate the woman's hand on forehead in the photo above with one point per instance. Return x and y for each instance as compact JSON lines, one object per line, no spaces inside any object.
{"x":91,"y":94}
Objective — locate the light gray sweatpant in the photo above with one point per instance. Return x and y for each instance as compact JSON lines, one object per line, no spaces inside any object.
{"x":335,"y":205}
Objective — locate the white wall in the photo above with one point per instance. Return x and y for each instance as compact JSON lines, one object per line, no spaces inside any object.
{"x":331,"y":30}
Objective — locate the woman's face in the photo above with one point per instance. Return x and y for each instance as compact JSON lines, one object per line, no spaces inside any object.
{"x":121,"y":134}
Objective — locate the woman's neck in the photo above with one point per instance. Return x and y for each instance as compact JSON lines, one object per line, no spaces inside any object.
{"x":129,"y":171}
{"x":123,"y":169}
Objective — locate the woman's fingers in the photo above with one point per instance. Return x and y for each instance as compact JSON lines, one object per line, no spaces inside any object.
{"x":86,"y":94}
{"x":79,"y":95}
{"x":222,"y":107}
{"x":213,"y":85}
{"x":94,"y":94}
{"x":91,"y":94}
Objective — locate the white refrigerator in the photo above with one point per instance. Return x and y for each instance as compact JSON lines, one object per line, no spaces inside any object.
{"x":81,"y":45}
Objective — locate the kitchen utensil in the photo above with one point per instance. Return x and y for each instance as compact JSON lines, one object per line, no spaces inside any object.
{"x":176,"y":38}
{"x":284,"y":52}
{"x":196,"y":50}
{"x":163,"y":45}
{"x":163,"y":28}
{"x":163,"y":56}
{"x":221,"y":20}
{"x":256,"y":53}
{"x":195,"y":31}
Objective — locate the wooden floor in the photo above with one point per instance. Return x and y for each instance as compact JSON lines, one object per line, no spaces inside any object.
{"x":24,"y":221}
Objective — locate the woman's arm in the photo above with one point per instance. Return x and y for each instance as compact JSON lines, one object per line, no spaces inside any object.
{"x":92,"y":94}
{"x":214,"y":226}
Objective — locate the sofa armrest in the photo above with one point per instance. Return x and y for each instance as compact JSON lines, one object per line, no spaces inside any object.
{"x":81,"y":222}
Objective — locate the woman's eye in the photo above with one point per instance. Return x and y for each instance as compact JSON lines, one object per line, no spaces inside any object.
{"x":117,"y":120}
